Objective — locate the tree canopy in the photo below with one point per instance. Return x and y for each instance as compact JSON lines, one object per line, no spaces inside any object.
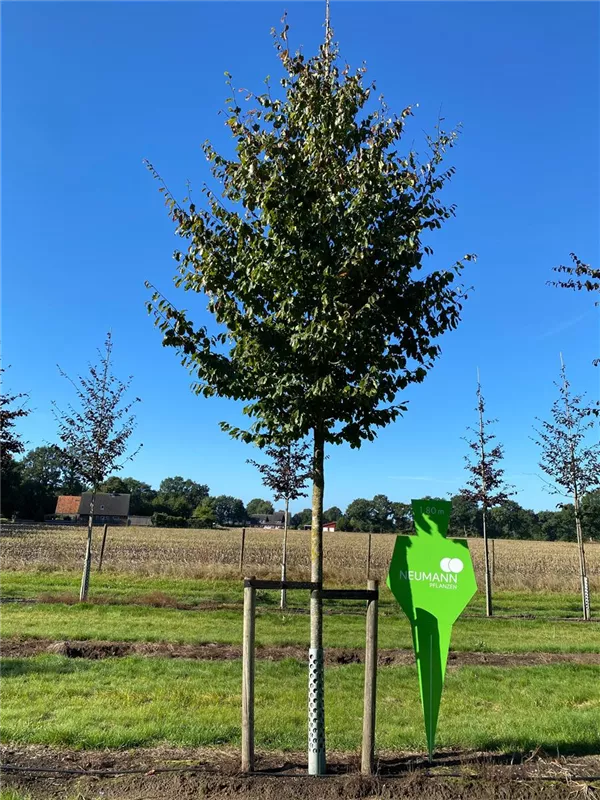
{"x":313,"y":265}
{"x":11,"y":444}
{"x":257,"y":507}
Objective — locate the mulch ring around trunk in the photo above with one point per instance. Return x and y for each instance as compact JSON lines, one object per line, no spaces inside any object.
{"x":167,"y":773}
{"x":19,"y":648}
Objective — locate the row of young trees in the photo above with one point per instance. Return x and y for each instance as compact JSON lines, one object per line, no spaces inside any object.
{"x":311,"y":257}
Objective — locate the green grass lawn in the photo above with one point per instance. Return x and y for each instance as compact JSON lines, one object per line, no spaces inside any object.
{"x":135,"y":701}
{"x":143,"y":623}
{"x":126,"y":588}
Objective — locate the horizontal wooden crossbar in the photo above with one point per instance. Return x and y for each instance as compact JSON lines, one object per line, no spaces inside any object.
{"x":348,"y":594}
{"x":324,"y":594}
{"x":260,"y":584}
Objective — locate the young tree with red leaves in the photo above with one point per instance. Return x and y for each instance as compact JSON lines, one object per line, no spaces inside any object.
{"x":286,"y":476}
{"x":486,"y":485}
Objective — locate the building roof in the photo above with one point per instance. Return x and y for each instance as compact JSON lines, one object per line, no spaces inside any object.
{"x":68,"y":504}
{"x":111,"y":505}
{"x":278,"y":518}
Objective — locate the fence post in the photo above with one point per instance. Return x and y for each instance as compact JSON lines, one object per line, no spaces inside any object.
{"x":369,"y":559}
{"x":242,"y":545}
{"x":102,"y":548}
{"x":248,"y":677}
{"x":368,"y":737}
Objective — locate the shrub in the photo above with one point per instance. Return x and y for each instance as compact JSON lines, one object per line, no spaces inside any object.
{"x":161,"y":520}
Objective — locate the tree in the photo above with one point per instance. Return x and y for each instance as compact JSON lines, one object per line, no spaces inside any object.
{"x":204,"y":514}
{"x":359,"y":515}
{"x":376,"y":515}
{"x":258,"y":507}
{"x":512,"y":521}
{"x":558,"y":526}
{"x":10,"y":489}
{"x":45,"y":472}
{"x":95,"y":435}
{"x":114,"y":485}
{"x":302,"y":518}
{"x":401,"y":516}
{"x":313,"y":268}
{"x":332,"y":514}
{"x":590,"y":514}
{"x":581,"y":277}
{"x":229,"y":511}
{"x":486,"y":485}
{"x":11,"y":445}
{"x":141,"y":494}
{"x":572,"y":465}
{"x":286,"y":477}
{"x":179,"y":496}
{"x":465,"y":517}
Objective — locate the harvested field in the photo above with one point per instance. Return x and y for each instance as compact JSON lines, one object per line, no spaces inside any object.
{"x":188,"y":553}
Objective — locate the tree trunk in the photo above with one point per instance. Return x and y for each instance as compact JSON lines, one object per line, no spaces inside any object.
{"x":87,"y":564}
{"x":316,"y":710}
{"x":284,"y":554}
{"x":484,"y":498}
{"x":582,"y":565}
{"x":488,"y":577}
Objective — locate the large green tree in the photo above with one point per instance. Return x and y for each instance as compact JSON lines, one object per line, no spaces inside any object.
{"x":512,"y":521}
{"x":179,"y":496}
{"x":465,"y":517}
{"x":229,"y":510}
{"x":313,"y":266}
{"x":257,"y":507}
{"x":45,"y":472}
{"x":332,"y":514}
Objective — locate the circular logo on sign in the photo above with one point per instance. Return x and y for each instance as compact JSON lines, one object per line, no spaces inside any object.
{"x":451,"y":565}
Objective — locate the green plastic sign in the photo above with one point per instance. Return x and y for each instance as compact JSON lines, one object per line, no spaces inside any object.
{"x":432,"y":579}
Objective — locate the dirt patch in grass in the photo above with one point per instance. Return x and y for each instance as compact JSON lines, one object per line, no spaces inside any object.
{"x":163,"y":773}
{"x":92,"y":649}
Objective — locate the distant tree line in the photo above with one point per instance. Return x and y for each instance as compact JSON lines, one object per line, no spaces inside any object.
{"x":31,"y":486}
{"x":508,"y":521}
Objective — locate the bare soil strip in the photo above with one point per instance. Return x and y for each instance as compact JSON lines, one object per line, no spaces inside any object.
{"x":164,"y":773}
{"x":20,"y":648}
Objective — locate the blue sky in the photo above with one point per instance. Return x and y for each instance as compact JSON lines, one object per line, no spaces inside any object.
{"x":91,"y":89}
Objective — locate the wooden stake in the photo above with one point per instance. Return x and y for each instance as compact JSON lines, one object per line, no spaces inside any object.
{"x":248,"y":679}
{"x":242,"y":545}
{"x":368,"y":737}
{"x":283,"y":601}
{"x":102,"y":548}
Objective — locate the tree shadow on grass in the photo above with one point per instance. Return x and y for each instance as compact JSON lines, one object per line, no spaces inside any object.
{"x":42,"y":665}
